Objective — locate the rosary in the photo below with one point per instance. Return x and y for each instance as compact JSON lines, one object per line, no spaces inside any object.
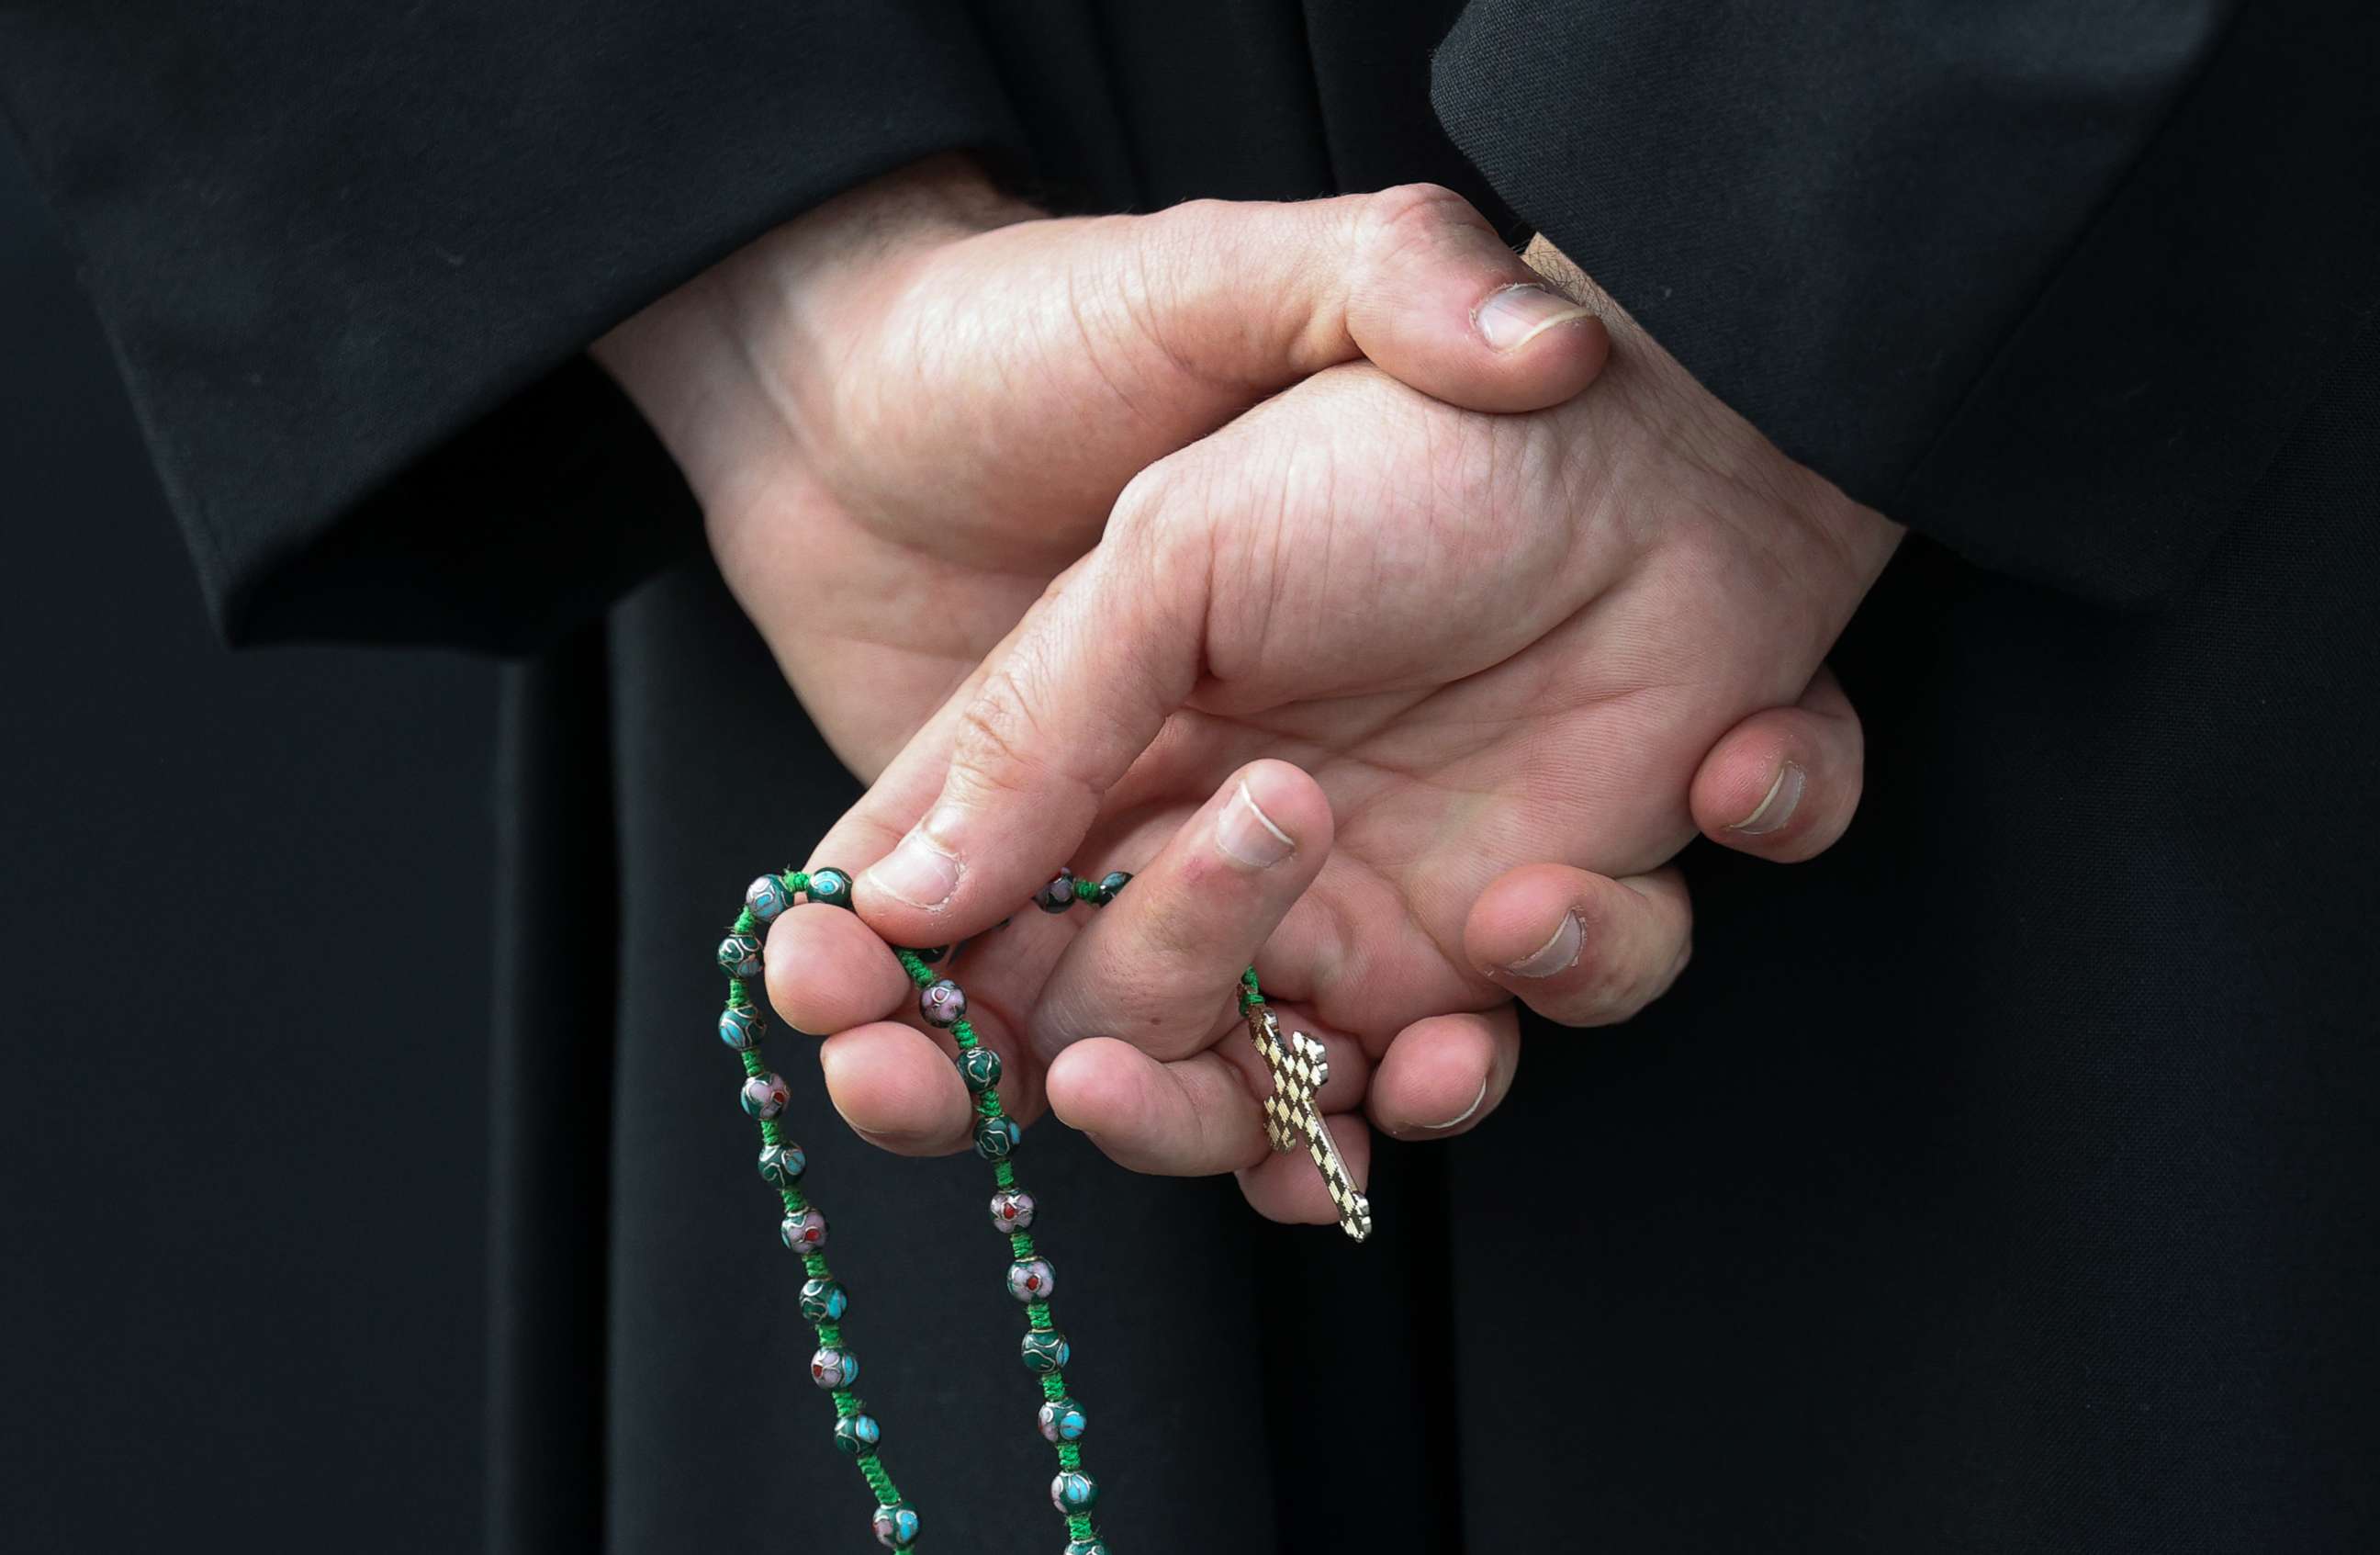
{"x":1298,"y":1066}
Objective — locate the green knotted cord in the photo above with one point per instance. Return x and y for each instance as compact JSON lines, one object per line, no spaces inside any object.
{"x":1038,"y":1318}
{"x":814,"y":1264}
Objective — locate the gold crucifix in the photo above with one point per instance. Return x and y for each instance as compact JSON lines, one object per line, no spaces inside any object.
{"x":1299,"y":1067}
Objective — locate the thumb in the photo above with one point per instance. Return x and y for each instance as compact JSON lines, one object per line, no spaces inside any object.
{"x":1260,"y":296}
{"x":1051,"y":722}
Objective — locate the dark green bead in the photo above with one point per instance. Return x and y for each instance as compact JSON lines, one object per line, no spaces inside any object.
{"x":740,"y":957}
{"x":1074,"y":1492}
{"x":824,"y":1301}
{"x":1045,"y":1351}
{"x":1086,"y":1547}
{"x":995,"y":1137}
{"x":781,"y":1165}
{"x":857,"y":1433}
{"x":1058,"y":896}
{"x":831,"y":887}
{"x":932,"y":954}
{"x":741,"y":1026}
{"x":1111,"y":883}
{"x":979,"y":1067}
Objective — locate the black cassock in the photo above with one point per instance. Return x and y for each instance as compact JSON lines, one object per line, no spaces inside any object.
{"x":2005,"y":1181}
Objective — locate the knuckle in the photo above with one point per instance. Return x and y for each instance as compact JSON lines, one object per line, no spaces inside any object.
{"x":1000,"y":745}
{"x":1409,"y":218}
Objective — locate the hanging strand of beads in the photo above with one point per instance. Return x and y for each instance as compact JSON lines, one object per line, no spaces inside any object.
{"x":834,"y":1367}
{"x":1031,"y":1280}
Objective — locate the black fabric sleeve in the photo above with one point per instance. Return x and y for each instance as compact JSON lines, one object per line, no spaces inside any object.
{"x":2046,"y":279}
{"x":349,"y":257}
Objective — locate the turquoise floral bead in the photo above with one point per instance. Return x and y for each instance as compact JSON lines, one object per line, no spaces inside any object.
{"x":857,"y":1433}
{"x":805,"y":1233}
{"x":996,"y":1138}
{"x":979,"y":1067}
{"x":741,"y":1026}
{"x":831,"y":887}
{"x":896,"y":1528}
{"x":765,"y":1095}
{"x":824,"y":1301}
{"x":1032,"y":1280}
{"x":831,"y":1368}
{"x":1045,"y":1351}
{"x":1062,"y":1419}
{"x":765,"y":897}
{"x":1109,"y":884}
{"x":1012,"y":1210}
{"x":1073,"y":1491}
{"x":739,"y":955}
{"x":781,"y":1165}
{"x":1086,"y":1547}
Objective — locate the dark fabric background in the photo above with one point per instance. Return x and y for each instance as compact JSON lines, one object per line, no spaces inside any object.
{"x":243,"y":945}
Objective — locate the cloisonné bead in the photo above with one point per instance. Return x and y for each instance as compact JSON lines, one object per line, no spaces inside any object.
{"x":1045,"y":1350}
{"x":739,"y":955}
{"x":1062,"y":1419}
{"x":857,"y":1433}
{"x":765,"y":1095}
{"x":896,"y":1528}
{"x":781,"y":1165}
{"x":1086,"y":1547}
{"x":741,"y":1026}
{"x":805,"y":1233}
{"x":1109,"y":884}
{"x":824,"y":1301}
{"x":833,"y":1368}
{"x":995,"y":1137}
{"x":831,"y":887}
{"x":1031,"y":1280}
{"x":765,"y":897}
{"x":1058,"y":896}
{"x":942,"y":1002}
{"x":932,"y":954}
{"x":979,"y":1067}
{"x":1073,"y":1491}
{"x":1012,"y":1210}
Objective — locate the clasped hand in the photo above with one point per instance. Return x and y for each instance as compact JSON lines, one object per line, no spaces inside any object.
{"x":1394,"y":609}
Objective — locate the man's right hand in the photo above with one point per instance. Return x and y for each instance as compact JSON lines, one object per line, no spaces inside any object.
{"x":906,"y":411}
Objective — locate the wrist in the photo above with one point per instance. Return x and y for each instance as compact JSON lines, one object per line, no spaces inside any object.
{"x":735,"y":369}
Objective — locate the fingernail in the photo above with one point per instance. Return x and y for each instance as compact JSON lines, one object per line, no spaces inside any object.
{"x":1248,"y":836}
{"x":1512,"y":318}
{"x":916,"y":872}
{"x":1777,"y":806}
{"x":1464,"y":1115}
{"x":1557,"y":954}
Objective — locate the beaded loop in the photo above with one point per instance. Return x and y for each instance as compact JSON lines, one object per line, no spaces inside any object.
{"x":823,"y":1302}
{"x":803,"y":1228}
